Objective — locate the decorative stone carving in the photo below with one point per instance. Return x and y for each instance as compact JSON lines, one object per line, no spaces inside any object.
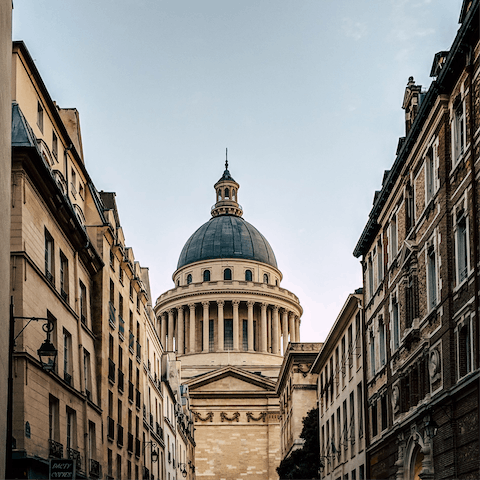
{"x":262,"y":417}
{"x":434,"y":365}
{"x":208,"y":418}
{"x":233,"y":418}
{"x":395,"y":398}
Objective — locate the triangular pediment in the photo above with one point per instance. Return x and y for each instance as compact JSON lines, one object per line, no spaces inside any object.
{"x":230,"y":380}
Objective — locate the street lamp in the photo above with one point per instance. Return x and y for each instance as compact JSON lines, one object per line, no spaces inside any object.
{"x":430,"y":425}
{"x":154,"y":454}
{"x":183,"y":469}
{"x":47,"y":354}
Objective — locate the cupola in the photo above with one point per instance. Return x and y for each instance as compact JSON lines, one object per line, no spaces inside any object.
{"x":226,"y":192}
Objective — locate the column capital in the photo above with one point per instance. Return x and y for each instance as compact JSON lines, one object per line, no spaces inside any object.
{"x":205,"y":304}
{"x":292,"y":314}
{"x":220,"y":303}
{"x":236,"y":303}
{"x":276,"y":308}
{"x":264,"y":305}
{"x":251,"y":303}
{"x":163,"y":314}
{"x":180,"y":308}
{"x":171,"y":311}
{"x":191,"y":305}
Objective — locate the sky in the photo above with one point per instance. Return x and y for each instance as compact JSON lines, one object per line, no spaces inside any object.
{"x":305,"y":94}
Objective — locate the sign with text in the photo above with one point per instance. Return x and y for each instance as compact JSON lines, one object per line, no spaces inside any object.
{"x":62,"y":468}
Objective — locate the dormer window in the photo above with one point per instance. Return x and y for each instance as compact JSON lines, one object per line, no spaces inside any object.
{"x":248,"y":275}
{"x":189,"y":279}
{"x":206,"y":276}
{"x":227,"y":274}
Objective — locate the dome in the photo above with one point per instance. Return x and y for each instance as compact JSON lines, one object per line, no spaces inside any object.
{"x":227,"y":236}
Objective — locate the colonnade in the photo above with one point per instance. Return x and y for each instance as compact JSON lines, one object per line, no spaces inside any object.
{"x":220,"y":326}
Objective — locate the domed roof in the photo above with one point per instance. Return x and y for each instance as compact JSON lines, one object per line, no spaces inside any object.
{"x":227,"y":236}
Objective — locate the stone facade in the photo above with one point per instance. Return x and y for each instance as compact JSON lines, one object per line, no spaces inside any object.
{"x":420,"y":260}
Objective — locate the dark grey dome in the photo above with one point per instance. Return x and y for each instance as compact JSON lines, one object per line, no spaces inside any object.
{"x":227,"y":236}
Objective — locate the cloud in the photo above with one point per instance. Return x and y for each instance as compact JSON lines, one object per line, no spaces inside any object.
{"x":352,"y":29}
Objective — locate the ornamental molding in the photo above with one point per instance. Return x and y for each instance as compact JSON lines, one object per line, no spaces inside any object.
{"x":233,"y":418}
{"x":198,"y":417}
{"x":262,"y":416}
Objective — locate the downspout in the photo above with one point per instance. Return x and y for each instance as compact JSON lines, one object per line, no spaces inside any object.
{"x":475,"y":210}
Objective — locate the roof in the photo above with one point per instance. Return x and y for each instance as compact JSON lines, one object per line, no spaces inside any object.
{"x":227,"y":236}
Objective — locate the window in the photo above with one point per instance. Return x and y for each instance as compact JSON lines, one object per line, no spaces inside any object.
{"x":350,"y":349}
{"x":464,"y":349}
{"x":74,"y":183}
{"x":92,"y":444}
{"x":83,"y":303}
{"x":71,"y":428}
{"x":54,"y":145}
{"x":87,"y":375}
{"x":381,"y":335}
{"x":248,"y":275}
{"x":189,"y":279}
{"x":360,"y":410}
{"x":370,"y":276}
{"x":227,"y":193}
{"x":411,"y":300}
{"x":374,"y":415}
{"x":53,"y":420}
{"x":112,"y":260}
{"x":345,"y":426}
{"x":67,"y":357}
{"x":81,"y":190}
{"x":219,"y":195}
{"x":49,"y":257}
{"x":40,"y":116}
{"x":430,"y":174}
{"x":458,"y":131}
{"x":344,"y":361}
{"x":409,"y":207}
{"x":227,"y":274}
{"x":431,"y":275}
{"x":384,"y":412}
{"x":206,"y":276}
{"x":372,"y":354}
{"x":119,"y":466}
{"x":228,"y":334}
{"x":352,"y":418}
{"x":265,"y":278}
{"x":395,"y":323}
{"x":379,"y":260}
{"x":63,"y":276}
{"x":461,"y":246}
{"x":393,"y":238}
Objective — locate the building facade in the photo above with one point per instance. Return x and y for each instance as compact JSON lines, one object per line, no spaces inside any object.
{"x":419,"y":254}
{"x":229,"y":320}
{"x":338,"y":369}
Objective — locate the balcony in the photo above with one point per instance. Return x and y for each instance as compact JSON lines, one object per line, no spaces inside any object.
{"x":121,"y":378}
{"x":131,"y":341}
{"x":110,"y":428}
{"x":64,"y":294}
{"x":137,"y":399}
{"x":111,"y":314}
{"x":121,"y":327}
{"x":95,"y":469}
{"x":149,"y":366}
{"x":130,"y":391}
{"x":67,"y":377}
{"x":139,"y":352}
{"x":111,"y":370}
{"x":119,"y":435}
{"x":75,"y":455}
{"x":137,"y":447}
{"x":88,"y":394}
{"x":130,"y":443}
{"x":83,"y":319}
{"x":55,"y":449}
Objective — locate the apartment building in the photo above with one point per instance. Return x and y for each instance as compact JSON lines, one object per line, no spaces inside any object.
{"x":340,"y":388}
{"x":419,"y":253}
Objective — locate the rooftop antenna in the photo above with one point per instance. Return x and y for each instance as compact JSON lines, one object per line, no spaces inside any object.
{"x":226,"y":159}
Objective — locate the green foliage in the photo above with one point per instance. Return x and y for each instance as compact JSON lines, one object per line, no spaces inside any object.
{"x":305,"y":462}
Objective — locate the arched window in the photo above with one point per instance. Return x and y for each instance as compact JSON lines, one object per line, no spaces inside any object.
{"x":265,"y":278}
{"x":248,"y":275}
{"x":178,"y":283}
{"x":227,"y":193}
{"x":189,"y":279}
{"x":276,"y":282}
{"x":206,"y":276}
{"x":219,"y":195}
{"x":233,"y":193}
{"x":227,"y":274}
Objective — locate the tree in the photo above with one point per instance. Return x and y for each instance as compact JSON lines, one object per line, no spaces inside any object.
{"x":304,"y":463}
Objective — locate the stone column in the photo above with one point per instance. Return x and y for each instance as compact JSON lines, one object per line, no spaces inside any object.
{"x":275,"y":332}
{"x":206,"y":306}
{"x":263,"y":329}
{"x":170,"y":330}
{"x":285,"y":329}
{"x":291,"y":321}
{"x":235,"y":304}
{"x":163,"y":331}
{"x":250,"y":305}
{"x":297,"y":328}
{"x":269,"y":330}
{"x":180,"y":331}
{"x":220,"y":304}
{"x":191,"y":342}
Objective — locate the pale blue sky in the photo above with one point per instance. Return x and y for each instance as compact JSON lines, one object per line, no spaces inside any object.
{"x":305,"y":94}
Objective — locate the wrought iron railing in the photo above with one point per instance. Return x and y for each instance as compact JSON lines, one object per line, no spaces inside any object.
{"x":95,"y":468}
{"x":55,"y":449}
{"x":75,"y":455}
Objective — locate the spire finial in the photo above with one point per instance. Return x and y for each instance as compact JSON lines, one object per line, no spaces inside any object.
{"x":226,"y":159}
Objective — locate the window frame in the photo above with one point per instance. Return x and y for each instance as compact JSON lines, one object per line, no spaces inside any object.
{"x":459,"y":131}
{"x":460,"y":213}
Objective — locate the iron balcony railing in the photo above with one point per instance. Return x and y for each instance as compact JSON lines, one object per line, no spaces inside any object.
{"x":95,"y":469}
{"x":75,"y":455}
{"x":55,"y":449}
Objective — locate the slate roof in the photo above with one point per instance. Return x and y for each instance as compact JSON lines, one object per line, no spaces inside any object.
{"x":227,"y":236}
